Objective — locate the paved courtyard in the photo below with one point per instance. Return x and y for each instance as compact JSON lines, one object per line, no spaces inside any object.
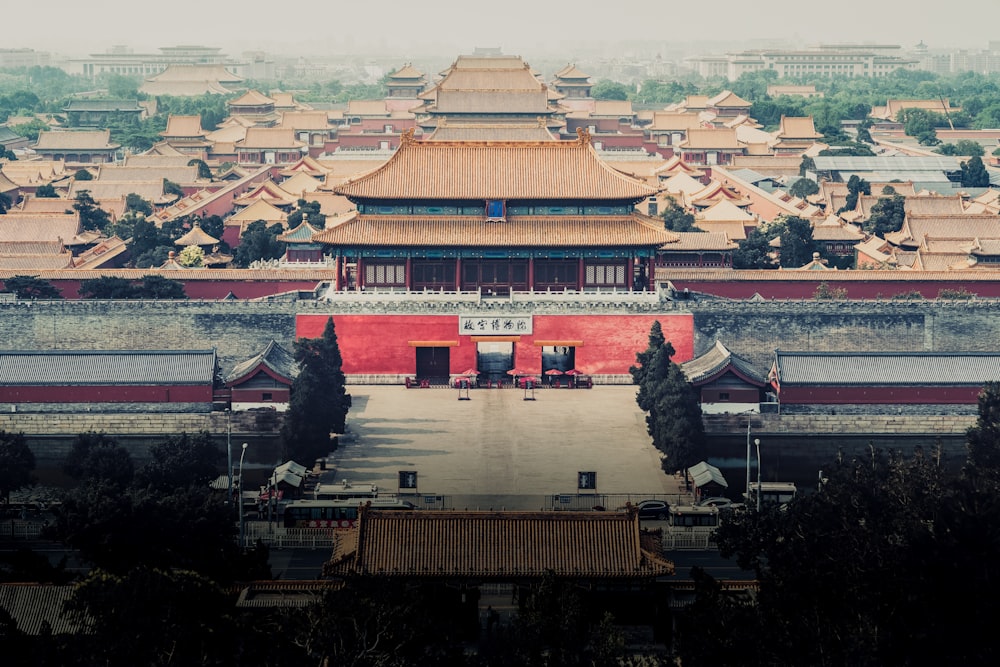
{"x":497,"y":449}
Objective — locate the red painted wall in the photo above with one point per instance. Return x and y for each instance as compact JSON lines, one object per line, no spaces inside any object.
{"x":257,"y":395}
{"x":876,"y":395}
{"x":806,"y":287}
{"x":107,"y":394}
{"x":379,"y":344}
{"x":211,"y":289}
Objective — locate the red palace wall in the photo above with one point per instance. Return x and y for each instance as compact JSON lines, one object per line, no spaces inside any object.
{"x":879,"y":395}
{"x":107,"y":394}
{"x":805,"y":288}
{"x":605,"y":344}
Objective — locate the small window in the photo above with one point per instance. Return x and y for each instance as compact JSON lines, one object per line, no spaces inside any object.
{"x":723,"y":395}
{"x":495,"y":209}
{"x":267,"y":396}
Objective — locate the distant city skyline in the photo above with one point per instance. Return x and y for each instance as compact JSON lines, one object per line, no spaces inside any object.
{"x":393,"y":28}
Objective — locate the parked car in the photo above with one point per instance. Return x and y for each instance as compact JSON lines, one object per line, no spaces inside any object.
{"x":717,"y":501}
{"x":653,"y":509}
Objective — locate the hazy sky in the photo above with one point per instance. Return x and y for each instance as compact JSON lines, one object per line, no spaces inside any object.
{"x":447,"y":27}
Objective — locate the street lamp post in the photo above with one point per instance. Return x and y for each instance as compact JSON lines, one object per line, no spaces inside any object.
{"x":239,"y":505}
{"x":757,"y":443}
{"x":229,"y":453}
{"x":749,"y":419}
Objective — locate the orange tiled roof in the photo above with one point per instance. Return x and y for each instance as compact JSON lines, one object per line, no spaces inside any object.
{"x":270,"y":137}
{"x":502,"y":545}
{"x":714,"y":138}
{"x":727,"y":98}
{"x":183,"y":126}
{"x":99,"y":140}
{"x":798,"y":127}
{"x":487,"y":170}
{"x":251,"y":98}
{"x":521,"y":231}
{"x":33,"y":227}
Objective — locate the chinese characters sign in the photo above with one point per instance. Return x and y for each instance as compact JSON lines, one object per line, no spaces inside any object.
{"x":499,"y":326}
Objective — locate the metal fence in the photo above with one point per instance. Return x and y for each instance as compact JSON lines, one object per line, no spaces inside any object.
{"x":21,"y":530}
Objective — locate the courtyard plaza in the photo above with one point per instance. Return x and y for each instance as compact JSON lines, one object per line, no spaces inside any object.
{"x":500,"y":449}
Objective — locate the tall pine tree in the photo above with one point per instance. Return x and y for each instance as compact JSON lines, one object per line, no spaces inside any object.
{"x":319,"y":400}
{"x":673,"y":417}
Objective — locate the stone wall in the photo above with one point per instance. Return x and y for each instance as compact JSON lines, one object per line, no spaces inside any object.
{"x":753,"y":329}
{"x":805,"y":425}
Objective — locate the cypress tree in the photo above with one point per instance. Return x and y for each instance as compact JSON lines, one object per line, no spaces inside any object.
{"x":673,"y":418}
{"x":319,"y":400}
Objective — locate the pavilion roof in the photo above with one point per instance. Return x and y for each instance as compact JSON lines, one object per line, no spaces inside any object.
{"x":183,"y":126}
{"x":362,"y":230}
{"x":886,"y":368}
{"x":279,"y":360}
{"x":76,"y":367}
{"x":603,"y":545}
{"x":75,"y":140}
{"x":251,"y":98}
{"x":495,"y":170}
{"x":196,"y":236}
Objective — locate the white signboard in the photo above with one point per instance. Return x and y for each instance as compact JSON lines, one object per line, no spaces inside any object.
{"x":516,"y":325}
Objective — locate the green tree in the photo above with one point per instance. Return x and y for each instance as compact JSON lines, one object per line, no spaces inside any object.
{"x":32,"y":287}
{"x":30,"y":129}
{"x":887,"y":215}
{"x":137,"y":204}
{"x":259,"y":242}
{"x":107,"y":287}
{"x":158,"y":287}
{"x":804,"y":187}
{"x":171,"y":188}
{"x":609,"y":90}
{"x":46,"y":191}
{"x":319,"y":400}
{"x":856,"y":186}
{"x":16,"y":463}
{"x":309,"y":211}
{"x":673,"y":409}
{"x":5,"y":203}
{"x":962,"y":147}
{"x":181,"y":461}
{"x":921,"y":123}
{"x":191,"y":255}
{"x":83,"y":174}
{"x":754,"y":252}
{"x":99,"y":457}
{"x":676,"y":218}
{"x":984,"y":437}
{"x":152,"y":616}
{"x":797,"y":245}
{"x":92,"y":217}
{"x":203,"y":169}
{"x":974,"y":174}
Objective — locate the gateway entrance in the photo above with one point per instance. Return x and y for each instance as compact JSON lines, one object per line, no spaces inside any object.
{"x":494,"y":359}
{"x":433,"y":363}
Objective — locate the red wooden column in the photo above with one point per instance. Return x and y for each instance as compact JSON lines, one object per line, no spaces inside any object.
{"x":408,"y":279}
{"x":458,"y":274}
{"x":338,"y":278}
{"x":531,"y":273}
{"x":581,"y":275}
{"x":629,"y":274}
{"x":361,"y":272}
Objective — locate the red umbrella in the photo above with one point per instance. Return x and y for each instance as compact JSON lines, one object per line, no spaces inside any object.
{"x":516,"y":371}
{"x":471,"y":371}
{"x":554,"y":371}
{"x":573,"y":371}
